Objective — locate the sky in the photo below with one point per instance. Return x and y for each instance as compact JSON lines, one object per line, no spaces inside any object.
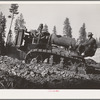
{"x":55,"y":14}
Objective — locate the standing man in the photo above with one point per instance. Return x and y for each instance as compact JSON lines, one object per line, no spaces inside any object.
{"x":39,"y":32}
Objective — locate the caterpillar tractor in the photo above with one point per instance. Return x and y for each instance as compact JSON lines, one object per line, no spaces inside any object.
{"x":45,"y":47}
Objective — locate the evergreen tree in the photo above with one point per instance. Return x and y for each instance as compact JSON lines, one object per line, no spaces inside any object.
{"x":2,"y":31}
{"x":45,"y":28}
{"x":2,"y":26}
{"x":19,"y":24}
{"x":67,"y":30}
{"x":54,"y":30}
{"x":14,"y":11}
{"x":99,"y":42}
{"x":82,"y":31}
{"x":99,"y":39}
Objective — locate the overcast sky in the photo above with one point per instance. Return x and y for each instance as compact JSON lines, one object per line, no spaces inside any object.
{"x":55,"y":14}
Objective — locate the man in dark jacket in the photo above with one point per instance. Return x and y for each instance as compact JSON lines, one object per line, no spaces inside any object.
{"x":89,"y":47}
{"x":39,"y":32}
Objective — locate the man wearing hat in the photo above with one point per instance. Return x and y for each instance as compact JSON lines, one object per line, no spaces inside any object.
{"x":89,"y":47}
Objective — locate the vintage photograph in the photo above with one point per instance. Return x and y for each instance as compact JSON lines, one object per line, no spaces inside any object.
{"x":49,"y":46}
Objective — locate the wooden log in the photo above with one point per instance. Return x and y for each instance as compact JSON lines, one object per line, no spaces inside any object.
{"x":63,"y":41}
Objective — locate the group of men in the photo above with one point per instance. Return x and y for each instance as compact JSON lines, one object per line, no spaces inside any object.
{"x":87,"y":48}
{"x":36,"y":36}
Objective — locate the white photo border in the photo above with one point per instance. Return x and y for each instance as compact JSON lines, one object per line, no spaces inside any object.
{"x":50,"y":93}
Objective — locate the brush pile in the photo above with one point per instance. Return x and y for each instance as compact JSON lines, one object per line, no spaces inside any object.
{"x":41,"y":75}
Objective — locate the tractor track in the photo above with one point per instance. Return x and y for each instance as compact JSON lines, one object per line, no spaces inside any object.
{"x":57,"y":54}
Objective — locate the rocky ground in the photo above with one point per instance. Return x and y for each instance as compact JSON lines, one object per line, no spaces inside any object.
{"x":16,"y":74}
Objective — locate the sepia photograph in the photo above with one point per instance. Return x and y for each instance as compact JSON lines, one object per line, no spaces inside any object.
{"x":49,"y":45}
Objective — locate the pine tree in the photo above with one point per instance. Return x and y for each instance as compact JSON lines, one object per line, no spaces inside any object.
{"x":19,"y":24}
{"x":45,"y":28}
{"x":54,"y":30}
{"x":99,"y":39}
{"x":67,"y":30}
{"x":99,"y":42}
{"x":2,"y":31}
{"x":82,"y":31}
{"x":14,"y":11}
{"x":2,"y":25}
